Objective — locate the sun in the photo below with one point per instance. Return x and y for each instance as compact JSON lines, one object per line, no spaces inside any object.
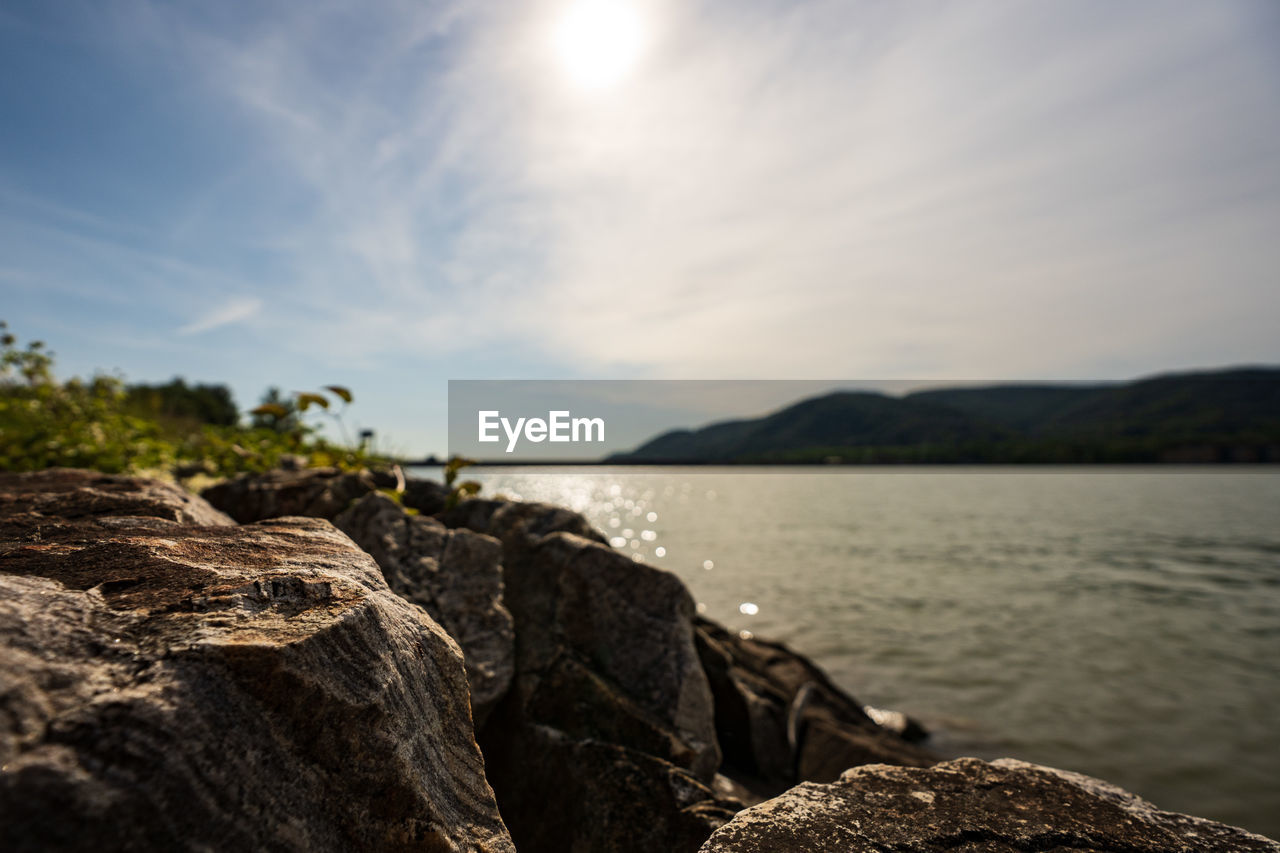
{"x":598,"y":42}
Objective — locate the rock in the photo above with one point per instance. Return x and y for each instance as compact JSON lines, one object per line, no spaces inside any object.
{"x":426,"y":496}
{"x":908,"y":728}
{"x":312,"y":492}
{"x":293,"y":461}
{"x":604,"y":798}
{"x":781,"y":720}
{"x":968,"y":804}
{"x":165,"y":685}
{"x":454,"y":575}
{"x":520,"y":526}
{"x":614,"y":636}
{"x":68,"y":493}
{"x":606,"y":739}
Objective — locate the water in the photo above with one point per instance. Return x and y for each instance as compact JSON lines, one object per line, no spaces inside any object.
{"x":1123,"y":623}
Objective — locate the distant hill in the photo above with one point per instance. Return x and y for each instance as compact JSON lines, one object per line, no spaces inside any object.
{"x":812,"y":429}
{"x":1223,"y":416}
{"x":1018,"y":407}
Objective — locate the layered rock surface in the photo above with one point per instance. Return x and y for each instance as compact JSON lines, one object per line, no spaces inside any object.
{"x":70,"y":494}
{"x":167,"y":684}
{"x":454,"y":575}
{"x":971,"y":805}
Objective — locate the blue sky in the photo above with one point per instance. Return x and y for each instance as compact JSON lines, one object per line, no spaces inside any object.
{"x":392,"y":194}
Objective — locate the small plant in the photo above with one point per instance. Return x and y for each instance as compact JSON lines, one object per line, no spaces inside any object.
{"x":458,"y":492}
{"x":280,"y":413}
{"x":397,"y":495}
{"x":285,"y":415}
{"x":275,"y":412}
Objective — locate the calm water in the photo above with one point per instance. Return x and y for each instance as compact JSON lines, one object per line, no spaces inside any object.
{"x":1124,"y":623}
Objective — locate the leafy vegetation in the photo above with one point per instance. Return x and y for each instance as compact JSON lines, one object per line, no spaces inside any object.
{"x":275,"y":412}
{"x":458,"y":492}
{"x":175,"y":429}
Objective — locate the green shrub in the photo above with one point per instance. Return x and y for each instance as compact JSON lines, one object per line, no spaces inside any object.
{"x":102,"y":425}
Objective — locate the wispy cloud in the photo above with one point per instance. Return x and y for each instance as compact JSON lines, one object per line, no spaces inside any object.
{"x":781,"y":189}
{"x":964,"y":190}
{"x":235,"y":311}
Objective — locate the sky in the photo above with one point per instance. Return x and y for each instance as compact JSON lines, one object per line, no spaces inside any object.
{"x":394,"y":193}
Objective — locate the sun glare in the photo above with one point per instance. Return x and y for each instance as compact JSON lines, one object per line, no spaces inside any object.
{"x":598,"y":42}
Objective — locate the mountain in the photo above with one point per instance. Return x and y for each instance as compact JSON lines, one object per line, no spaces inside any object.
{"x":820,"y":427}
{"x":1230,"y":415}
{"x":1197,"y":405}
{"x":1018,"y":407}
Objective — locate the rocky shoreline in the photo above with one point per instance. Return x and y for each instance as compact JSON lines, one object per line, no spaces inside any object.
{"x":300,"y":661}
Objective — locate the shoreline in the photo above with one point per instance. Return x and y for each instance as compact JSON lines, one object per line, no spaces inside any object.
{"x":652,"y":722}
{"x":579,"y":463}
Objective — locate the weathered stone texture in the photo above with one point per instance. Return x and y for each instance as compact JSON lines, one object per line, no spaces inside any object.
{"x":166,"y":685}
{"x":1004,"y":806}
{"x":455,"y":575}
